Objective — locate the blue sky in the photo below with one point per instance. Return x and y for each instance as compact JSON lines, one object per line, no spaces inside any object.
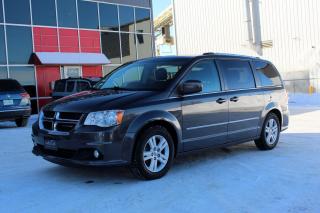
{"x":159,"y":5}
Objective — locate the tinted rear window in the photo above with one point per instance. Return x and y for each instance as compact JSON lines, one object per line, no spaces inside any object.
{"x":267,"y":74}
{"x":10,"y":85}
{"x":237,"y":74}
{"x":59,"y":86}
{"x":70,"y":86}
{"x":82,"y":86}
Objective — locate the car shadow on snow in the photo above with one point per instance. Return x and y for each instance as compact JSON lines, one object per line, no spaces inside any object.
{"x":193,"y":160}
{"x":121,"y":175}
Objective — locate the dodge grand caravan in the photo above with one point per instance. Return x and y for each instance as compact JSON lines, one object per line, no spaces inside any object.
{"x":147,"y":112}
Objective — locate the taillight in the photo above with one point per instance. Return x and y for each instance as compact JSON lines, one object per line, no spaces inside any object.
{"x":25,"y":99}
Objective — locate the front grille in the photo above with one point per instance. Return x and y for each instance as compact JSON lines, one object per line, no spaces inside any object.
{"x":60,"y":121}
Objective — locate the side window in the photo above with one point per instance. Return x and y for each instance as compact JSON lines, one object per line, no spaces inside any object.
{"x":82,"y":86}
{"x":267,"y":74}
{"x":236,"y":74}
{"x":70,"y":86}
{"x":206,"y":72}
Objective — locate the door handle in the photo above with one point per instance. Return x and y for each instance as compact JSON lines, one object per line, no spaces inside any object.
{"x":234,"y":99}
{"x":221,"y":100}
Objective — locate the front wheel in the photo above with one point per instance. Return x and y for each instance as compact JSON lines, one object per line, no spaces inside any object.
{"x":270,"y":133}
{"x":154,"y":153}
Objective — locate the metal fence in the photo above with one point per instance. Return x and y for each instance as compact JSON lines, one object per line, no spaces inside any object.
{"x":311,"y":85}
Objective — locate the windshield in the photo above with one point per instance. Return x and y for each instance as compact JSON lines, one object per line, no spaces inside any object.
{"x":143,"y":75}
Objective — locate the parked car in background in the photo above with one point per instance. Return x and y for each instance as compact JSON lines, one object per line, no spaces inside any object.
{"x":14,"y":102}
{"x":69,"y":86}
{"x":145,"y":113}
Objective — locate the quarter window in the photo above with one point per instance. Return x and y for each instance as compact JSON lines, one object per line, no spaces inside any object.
{"x":109,"y":17}
{"x":44,"y":12}
{"x":126,"y":18}
{"x":236,"y":74}
{"x":267,"y":74}
{"x":17,"y":11}
{"x":19,"y":41}
{"x":206,"y":72}
{"x":67,"y":13}
{"x":88,"y":15}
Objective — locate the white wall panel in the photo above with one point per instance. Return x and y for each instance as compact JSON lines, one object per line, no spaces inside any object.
{"x":219,"y":26}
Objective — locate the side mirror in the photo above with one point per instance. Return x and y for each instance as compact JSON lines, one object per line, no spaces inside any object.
{"x":190,"y":87}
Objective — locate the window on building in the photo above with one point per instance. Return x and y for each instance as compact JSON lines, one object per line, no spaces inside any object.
{"x":108,"y":69}
{"x":3,"y":58}
{"x":206,"y":72}
{"x":24,"y":75}
{"x":44,"y":12}
{"x":88,"y":15}
{"x":19,"y":40}
{"x":3,"y":72}
{"x":126,"y":18}
{"x":267,"y":74}
{"x":143,"y":20}
{"x":128,"y":47}
{"x":237,"y":74}
{"x":111,"y":46}
{"x":1,"y":12}
{"x":17,"y":11}
{"x":67,"y":13}
{"x":144,"y":45}
{"x":109,"y":17}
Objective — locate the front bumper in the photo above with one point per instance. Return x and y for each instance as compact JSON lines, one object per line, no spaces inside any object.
{"x":77,"y":147}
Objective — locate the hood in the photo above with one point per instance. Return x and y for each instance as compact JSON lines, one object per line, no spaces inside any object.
{"x":98,"y":100}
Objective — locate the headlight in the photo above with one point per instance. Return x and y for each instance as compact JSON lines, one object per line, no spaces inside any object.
{"x":104,"y":118}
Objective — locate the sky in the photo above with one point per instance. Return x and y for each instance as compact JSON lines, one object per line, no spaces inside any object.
{"x":159,"y":6}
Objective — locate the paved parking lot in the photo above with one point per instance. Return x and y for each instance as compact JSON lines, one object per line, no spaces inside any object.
{"x":236,"y":179}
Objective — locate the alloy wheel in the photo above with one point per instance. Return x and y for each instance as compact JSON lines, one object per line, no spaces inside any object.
{"x":156,"y":153}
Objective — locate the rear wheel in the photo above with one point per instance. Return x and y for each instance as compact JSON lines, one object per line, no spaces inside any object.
{"x":22,"y":122}
{"x":154,"y":153}
{"x":270,"y":133}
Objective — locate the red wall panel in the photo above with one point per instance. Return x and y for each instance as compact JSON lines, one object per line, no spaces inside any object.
{"x":90,"y":41}
{"x":45,"y":39}
{"x":45,"y":75}
{"x":91,"y":71}
{"x":69,"y":40}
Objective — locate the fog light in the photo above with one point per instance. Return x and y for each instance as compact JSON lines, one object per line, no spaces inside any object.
{"x":96,"y":154}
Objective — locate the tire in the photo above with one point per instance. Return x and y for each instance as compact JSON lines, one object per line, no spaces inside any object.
{"x":151,"y":160}
{"x":270,"y":133}
{"x":22,"y":122}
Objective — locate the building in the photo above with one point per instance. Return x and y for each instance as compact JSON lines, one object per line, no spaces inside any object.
{"x":45,"y":40}
{"x":286,"y":32}
{"x":164,"y":33}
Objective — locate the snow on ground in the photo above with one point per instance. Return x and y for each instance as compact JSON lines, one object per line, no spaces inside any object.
{"x":303,"y":99}
{"x":237,"y":179}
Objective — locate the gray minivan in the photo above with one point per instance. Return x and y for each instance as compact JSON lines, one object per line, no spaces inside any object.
{"x":147,"y":112}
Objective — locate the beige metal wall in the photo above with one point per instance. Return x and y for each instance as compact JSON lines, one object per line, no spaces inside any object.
{"x":219,"y":26}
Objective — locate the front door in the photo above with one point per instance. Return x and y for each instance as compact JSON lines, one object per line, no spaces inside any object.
{"x":245,"y":101}
{"x":205,"y":115}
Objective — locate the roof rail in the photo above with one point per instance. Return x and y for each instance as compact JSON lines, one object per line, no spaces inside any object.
{"x":208,"y":53}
